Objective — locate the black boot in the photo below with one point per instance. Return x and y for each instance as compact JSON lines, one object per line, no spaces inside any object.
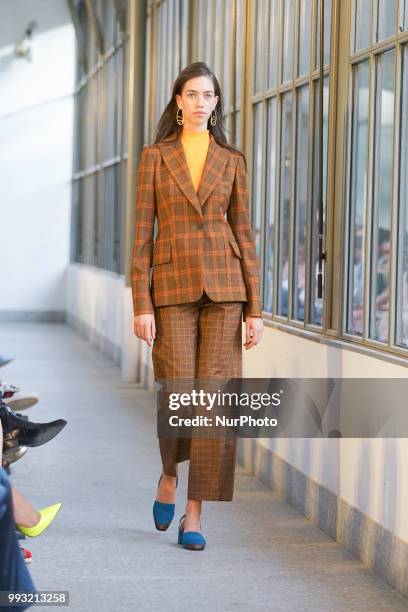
{"x":20,"y":432}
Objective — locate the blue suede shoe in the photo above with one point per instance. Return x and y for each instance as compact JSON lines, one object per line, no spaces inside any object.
{"x":163,"y":513}
{"x":192,"y":540}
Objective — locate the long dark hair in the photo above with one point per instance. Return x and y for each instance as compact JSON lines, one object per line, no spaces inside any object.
{"x":168,"y":125}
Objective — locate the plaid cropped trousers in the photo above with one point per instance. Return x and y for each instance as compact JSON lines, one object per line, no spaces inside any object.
{"x":201,"y":339}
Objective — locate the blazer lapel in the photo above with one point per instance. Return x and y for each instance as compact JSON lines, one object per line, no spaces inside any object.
{"x":215,"y":163}
{"x":174,"y":157}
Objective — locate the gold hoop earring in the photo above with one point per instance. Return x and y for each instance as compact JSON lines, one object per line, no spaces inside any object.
{"x":179,"y":118}
{"x":213,"y":119}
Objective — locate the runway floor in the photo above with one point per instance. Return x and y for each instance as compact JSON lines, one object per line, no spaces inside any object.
{"x":104,"y":466}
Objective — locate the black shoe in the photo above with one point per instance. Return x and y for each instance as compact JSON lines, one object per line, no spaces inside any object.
{"x":22,"y":416}
{"x":21,"y":432}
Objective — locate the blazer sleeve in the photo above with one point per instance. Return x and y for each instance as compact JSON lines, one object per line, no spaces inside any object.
{"x":143,"y":235}
{"x":238,"y":219}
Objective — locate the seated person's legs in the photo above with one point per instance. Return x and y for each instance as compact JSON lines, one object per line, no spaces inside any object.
{"x":14,"y":575}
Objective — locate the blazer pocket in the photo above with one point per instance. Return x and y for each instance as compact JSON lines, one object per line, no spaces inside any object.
{"x":235,"y":247}
{"x":161,"y":253}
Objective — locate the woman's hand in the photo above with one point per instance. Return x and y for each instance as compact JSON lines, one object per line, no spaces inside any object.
{"x":145,"y":328}
{"x":253,"y":331}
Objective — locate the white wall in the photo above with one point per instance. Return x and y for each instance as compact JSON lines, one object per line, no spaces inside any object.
{"x":36,"y":129}
{"x":100,"y":306}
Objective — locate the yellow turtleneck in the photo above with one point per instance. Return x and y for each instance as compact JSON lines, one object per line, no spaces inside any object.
{"x":195,"y":146}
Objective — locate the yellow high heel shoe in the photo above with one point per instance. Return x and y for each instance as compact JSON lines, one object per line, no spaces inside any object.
{"x":47,"y":515}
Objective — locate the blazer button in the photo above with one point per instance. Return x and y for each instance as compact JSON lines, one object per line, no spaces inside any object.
{"x":199,"y":226}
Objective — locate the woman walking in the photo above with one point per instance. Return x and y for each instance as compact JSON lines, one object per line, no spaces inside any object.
{"x":205,"y":279}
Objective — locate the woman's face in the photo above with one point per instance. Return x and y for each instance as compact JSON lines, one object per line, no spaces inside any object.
{"x":197,"y":101}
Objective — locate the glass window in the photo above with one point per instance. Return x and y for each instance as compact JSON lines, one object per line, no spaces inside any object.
{"x":305,"y":12}
{"x":237,"y":130}
{"x":76,"y":221}
{"x":273,"y":41}
{"x":199,"y":29}
{"x":110,"y":115}
{"x":362,"y":24}
{"x":316,"y":303}
{"x":386,"y":18}
{"x":382,"y":196}
{"x":168,"y":17}
{"x":299,"y":243}
{"x":226,"y":78}
{"x":89,"y":118}
{"x":284,"y":203}
{"x":176,"y":36}
{"x":287,"y":64}
{"x":239,"y":46}
{"x":259,"y":42}
{"x":119,"y":87}
{"x":125,"y":114}
{"x":208,"y":8}
{"x":157,"y":54}
{"x":257,"y":176}
{"x":218,"y":40}
{"x":327,"y":32}
{"x":101,"y":111}
{"x":148,"y":81}
{"x":402,"y":273}
{"x":163,"y":57}
{"x":358,"y":195}
{"x":185,"y":26}
{"x":403,"y":17}
{"x":270,"y":204}
{"x":89,"y":221}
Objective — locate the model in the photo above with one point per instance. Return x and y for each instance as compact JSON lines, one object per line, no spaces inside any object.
{"x":205,"y":279}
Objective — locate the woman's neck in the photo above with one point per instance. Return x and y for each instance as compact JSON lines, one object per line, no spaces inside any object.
{"x":185,"y":131}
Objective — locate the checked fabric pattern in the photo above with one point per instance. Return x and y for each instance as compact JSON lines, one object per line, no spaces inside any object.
{"x":199,"y":340}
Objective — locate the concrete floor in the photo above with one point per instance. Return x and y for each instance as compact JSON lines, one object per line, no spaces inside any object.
{"x":104,"y":466}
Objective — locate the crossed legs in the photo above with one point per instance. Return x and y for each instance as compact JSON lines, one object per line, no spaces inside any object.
{"x":24,"y":513}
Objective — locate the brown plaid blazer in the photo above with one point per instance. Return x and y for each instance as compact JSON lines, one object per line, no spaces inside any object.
{"x":196,"y":246}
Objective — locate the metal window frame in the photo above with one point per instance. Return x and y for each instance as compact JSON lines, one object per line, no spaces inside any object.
{"x":397,"y":227}
{"x":97,"y":178}
{"x":349,"y":59}
{"x":339,"y":71}
{"x":278,"y":90}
